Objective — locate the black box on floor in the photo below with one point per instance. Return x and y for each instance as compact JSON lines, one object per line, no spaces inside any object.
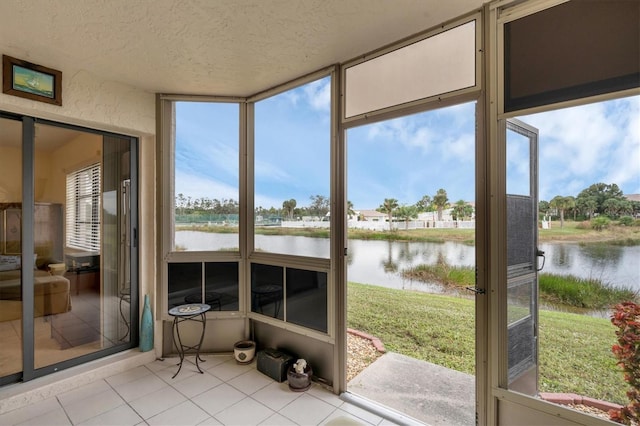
{"x":274,"y":363}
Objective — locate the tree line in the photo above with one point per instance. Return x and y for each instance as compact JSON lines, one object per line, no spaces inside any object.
{"x":599,"y":199}
{"x":460,"y":210}
{"x":319,"y":206}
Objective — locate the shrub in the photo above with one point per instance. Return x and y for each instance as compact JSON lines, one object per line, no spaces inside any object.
{"x":626,"y":318}
{"x":600,"y":223}
{"x":584,"y":225}
{"x":626,"y":221}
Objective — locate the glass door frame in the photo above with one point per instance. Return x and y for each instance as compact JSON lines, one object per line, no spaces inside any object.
{"x":29,"y":372}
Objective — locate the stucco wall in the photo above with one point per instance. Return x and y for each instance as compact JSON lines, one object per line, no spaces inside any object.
{"x":88,"y":100}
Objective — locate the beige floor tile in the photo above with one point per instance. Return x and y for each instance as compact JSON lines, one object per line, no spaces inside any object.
{"x":132,"y":390}
{"x":95,"y":405}
{"x":157,"y":402}
{"x":217,"y":399}
{"x":250,"y":382}
{"x":123,"y":415}
{"x":196,"y":384}
{"x":56,"y":417}
{"x":276,"y":395}
{"x":246,"y":412}
{"x":186,"y":413}
{"x":307,"y":410}
{"x":33,"y":410}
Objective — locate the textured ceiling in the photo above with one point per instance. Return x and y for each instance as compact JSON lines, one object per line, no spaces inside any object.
{"x":215,"y":47}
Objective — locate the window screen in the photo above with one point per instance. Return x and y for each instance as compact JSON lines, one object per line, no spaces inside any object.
{"x":439,"y":64}
{"x":574,"y":50}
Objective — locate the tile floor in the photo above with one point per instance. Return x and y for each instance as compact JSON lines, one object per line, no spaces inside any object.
{"x":226,"y":394}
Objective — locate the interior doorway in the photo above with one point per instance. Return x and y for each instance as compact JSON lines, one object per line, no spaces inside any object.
{"x":411,"y":264}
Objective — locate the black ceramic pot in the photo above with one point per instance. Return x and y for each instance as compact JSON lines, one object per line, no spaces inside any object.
{"x":299,"y":382}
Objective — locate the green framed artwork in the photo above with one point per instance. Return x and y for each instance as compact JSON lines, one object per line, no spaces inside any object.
{"x":31,"y":81}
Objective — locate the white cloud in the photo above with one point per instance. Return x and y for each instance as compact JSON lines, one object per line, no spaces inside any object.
{"x":198,"y":187}
{"x":318,"y":94}
{"x":587,"y":144}
{"x":270,"y":172}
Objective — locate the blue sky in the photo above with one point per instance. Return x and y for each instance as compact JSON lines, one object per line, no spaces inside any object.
{"x":404,"y":158}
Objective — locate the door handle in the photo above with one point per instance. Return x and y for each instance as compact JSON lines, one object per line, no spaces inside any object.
{"x":540,"y":253}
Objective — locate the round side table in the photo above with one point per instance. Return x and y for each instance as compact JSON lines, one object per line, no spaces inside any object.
{"x":189,"y":312}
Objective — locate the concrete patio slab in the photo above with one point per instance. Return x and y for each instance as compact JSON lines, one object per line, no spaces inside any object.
{"x":427,"y":392}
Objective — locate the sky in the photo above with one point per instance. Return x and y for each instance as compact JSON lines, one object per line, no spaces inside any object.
{"x":405,"y":158}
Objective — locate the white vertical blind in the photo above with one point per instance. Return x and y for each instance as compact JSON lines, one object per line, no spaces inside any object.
{"x":83,"y":209}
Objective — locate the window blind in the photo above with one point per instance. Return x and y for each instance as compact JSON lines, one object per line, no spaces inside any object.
{"x":83,"y":209}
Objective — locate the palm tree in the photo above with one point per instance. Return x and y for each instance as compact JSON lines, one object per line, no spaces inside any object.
{"x":424,"y":203}
{"x":388,"y":207}
{"x":462,"y":210}
{"x":562,"y":203}
{"x":406,"y":213}
{"x":350,"y":211}
{"x":288,"y":207}
{"x":440,"y":200}
{"x":587,"y":205}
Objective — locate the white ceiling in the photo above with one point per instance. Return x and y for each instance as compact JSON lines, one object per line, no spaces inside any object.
{"x":215,"y":47}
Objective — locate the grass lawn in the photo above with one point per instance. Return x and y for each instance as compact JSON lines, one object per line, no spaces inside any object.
{"x":575,"y":350}
{"x":571,"y":232}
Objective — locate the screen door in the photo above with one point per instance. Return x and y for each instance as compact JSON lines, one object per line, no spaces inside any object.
{"x":522,"y":253}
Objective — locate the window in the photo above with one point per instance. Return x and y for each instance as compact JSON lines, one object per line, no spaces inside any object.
{"x":296,"y":296}
{"x":292,"y":164}
{"x":220,"y":280}
{"x":83,"y":209}
{"x":207,"y":176}
{"x":440,"y":64}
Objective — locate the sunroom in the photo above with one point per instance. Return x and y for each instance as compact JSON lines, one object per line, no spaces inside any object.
{"x":174,"y":129}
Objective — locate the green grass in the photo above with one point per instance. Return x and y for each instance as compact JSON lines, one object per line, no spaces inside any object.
{"x":581,"y":292}
{"x":572,"y":231}
{"x":555,"y":289}
{"x":443,"y":273}
{"x":575,"y":350}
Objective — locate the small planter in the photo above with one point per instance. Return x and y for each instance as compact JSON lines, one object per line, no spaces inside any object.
{"x":299,"y":382}
{"x":244,"y":351}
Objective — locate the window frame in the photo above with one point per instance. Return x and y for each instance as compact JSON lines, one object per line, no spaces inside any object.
{"x":166,"y":145}
{"x":75,"y":237}
{"x":448,"y":98}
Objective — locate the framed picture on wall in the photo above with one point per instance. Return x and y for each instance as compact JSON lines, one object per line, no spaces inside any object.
{"x":12,"y":227}
{"x":31,"y":81}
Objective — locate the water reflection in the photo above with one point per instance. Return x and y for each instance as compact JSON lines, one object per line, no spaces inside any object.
{"x":382,"y":262}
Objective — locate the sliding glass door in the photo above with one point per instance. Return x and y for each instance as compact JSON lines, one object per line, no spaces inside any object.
{"x":67,"y":276}
{"x":10,"y":253}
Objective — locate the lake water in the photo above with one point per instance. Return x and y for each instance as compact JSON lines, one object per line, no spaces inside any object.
{"x":380,"y":262}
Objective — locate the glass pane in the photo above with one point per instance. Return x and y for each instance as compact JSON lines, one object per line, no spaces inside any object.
{"x":518,"y":164}
{"x":184,"y":283}
{"x":75,"y":272}
{"x":292,"y":166}
{"x":307,"y":298}
{"x":266,"y":290}
{"x":521,"y":260}
{"x":115,"y":240}
{"x":82,"y":284}
{"x":439,"y":64}
{"x":206,"y":176}
{"x":10,"y":258}
{"x":519,"y":301}
{"x":221,"y":286}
